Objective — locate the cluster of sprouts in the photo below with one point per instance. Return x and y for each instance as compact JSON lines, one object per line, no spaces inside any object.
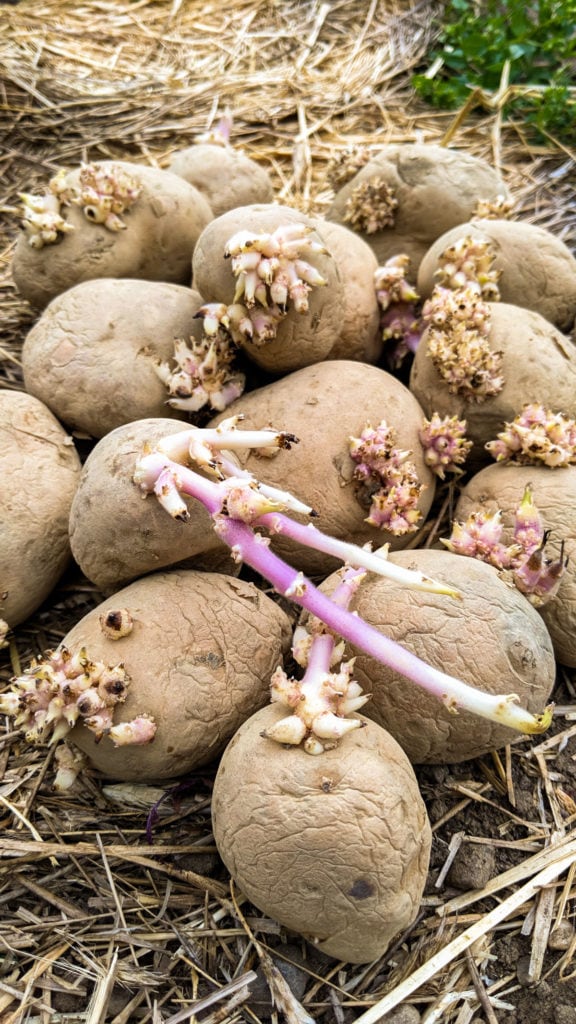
{"x":481,"y":536}
{"x":388,"y":480}
{"x":399,"y":305}
{"x":201,"y":375}
{"x":537,"y":436}
{"x":444,"y":444}
{"x":499,"y":208}
{"x":469,"y":263}
{"x":326,"y":695}
{"x":103,"y":192}
{"x":457,"y":342}
{"x":371,"y":206}
{"x":345,"y":165}
{"x":67,"y":687}
{"x":242,"y":507}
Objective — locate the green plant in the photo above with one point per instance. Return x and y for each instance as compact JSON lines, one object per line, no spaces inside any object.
{"x":528,"y":49}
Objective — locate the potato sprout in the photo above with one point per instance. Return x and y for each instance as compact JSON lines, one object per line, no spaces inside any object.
{"x":535,"y":436}
{"x":165,"y":472}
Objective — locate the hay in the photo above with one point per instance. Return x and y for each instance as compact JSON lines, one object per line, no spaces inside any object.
{"x":102,"y":921}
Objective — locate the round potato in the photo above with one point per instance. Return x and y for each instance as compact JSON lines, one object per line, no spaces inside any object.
{"x":40,"y":473}
{"x":325,"y":406}
{"x":301,"y":338}
{"x":431,"y":189}
{"x":226,"y":176}
{"x":537,"y":269}
{"x":198,"y":660}
{"x":116,"y":534}
{"x":538,"y":365}
{"x":155,"y":243}
{"x":492,"y":639}
{"x":334,"y":847}
{"x":501,"y":486}
{"x":91,"y":355}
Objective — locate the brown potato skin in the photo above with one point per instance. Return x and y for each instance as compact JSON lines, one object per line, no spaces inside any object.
{"x":436,"y":188}
{"x":199,"y":659}
{"x":40,"y":473}
{"x":302,"y":338}
{"x":116,"y":534}
{"x":90,"y":356}
{"x":537,"y":269}
{"x":324,"y":405}
{"x":491,"y":638}
{"x":162,"y":228}
{"x":502,"y":485}
{"x":359,"y":335}
{"x":224,"y":175}
{"x":538,"y":365}
{"x":335,"y":847}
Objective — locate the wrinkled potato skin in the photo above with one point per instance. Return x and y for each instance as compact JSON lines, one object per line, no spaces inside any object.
{"x":224,"y":175}
{"x":302,"y":338}
{"x":554,"y":492}
{"x":436,"y":188}
{"x":538,"y":365}
{"x":40,"y":472}
{"x":116,"y":534}
{"x":335,"y":847}
{"x":324,"y":405}
{"x":538,"y":271}
{"x":359,"y":336}
{"x":162,"y":228}
{"x":199,"y":659}
{"x":90,"y":356}
{"x":491,"y":639}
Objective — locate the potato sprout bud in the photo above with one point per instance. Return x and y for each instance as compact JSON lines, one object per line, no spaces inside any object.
{"x":370,"y":206}
{"x":270,"y":270}
{"x":117,"y":623}
{"x":499,"y":208}
{"x":69,"y":763}
{"x":103,"y":193}
{"x":201,"y":376}
{"x":480,"y":536}
{"x":42,"y":220}
{"x":387,"y":479}
{"x":52,"y":694}
{"x":536,"y":435}
{"x":444,"y":443}
{"x":457,"y":344}
{"x":468,"y":263}
{"x":345,"y":164}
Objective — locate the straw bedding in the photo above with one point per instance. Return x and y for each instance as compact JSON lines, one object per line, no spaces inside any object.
{"x":114,"y":906}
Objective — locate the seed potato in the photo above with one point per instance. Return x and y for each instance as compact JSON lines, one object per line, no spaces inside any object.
{"x":198,"y":659}
{"x":224,"y":175}
{"x":334,"y":847}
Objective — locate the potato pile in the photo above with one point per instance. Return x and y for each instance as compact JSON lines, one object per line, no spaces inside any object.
{"x":189,"y":297}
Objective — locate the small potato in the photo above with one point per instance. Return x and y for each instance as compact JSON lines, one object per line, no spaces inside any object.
{"x":156,"y":243}
{"x":91,"y":355}
{"x":224,"y":175}
{"x":538,"y":365}
{"x":431,"y":189}
{"x":198,"y":658}
{"x":334,"y":847}
{"x":301,"y":338}
{"x":115,"y":533}
{"x":325,"y":406}
{"x":492,"y":639}
{"x":537,"y":269}
{"x":501,"y":486}
{"x":40,"y":471}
